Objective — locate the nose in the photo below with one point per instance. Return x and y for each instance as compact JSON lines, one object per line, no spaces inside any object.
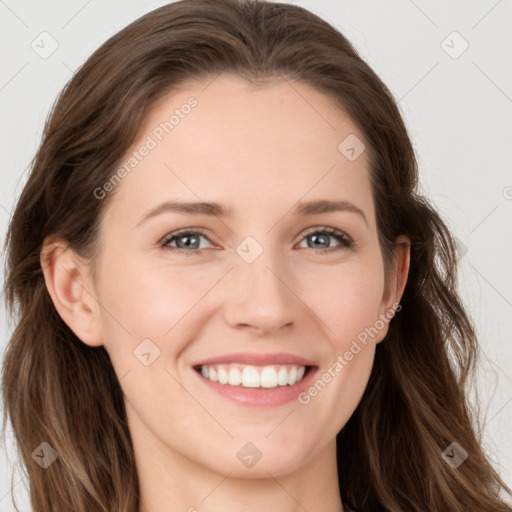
{"x":260,"y":295}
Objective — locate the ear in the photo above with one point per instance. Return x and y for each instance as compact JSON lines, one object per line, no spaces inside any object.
{"x":69,"y":284}
{"x":395,"y":284}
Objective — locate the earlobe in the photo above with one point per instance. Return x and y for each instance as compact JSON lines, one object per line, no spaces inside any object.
{"x":66,"y":278}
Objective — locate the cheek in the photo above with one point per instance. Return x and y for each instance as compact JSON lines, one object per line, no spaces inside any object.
{"x":141,"y":303}
{"x":147,"y":301}
{"x":346,"y":298}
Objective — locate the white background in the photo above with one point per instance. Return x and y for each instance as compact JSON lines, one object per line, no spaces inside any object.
{"x":458,"y":112}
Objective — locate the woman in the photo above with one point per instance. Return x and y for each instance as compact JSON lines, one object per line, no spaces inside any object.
{"x":183,"y":343}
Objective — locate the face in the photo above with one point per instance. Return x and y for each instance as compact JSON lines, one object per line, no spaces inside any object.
{"x":270,"y":284}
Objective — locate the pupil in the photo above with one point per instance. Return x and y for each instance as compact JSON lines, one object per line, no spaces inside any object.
{"x":188,"y":242}
{"x":316,"y":238}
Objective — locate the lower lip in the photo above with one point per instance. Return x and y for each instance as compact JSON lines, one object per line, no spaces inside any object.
{"x":260,"y":397}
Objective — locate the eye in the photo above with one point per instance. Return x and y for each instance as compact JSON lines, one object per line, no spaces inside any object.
{"x":322,"y":235}
{"x":188,"y":241}
{"x":185,"y":239}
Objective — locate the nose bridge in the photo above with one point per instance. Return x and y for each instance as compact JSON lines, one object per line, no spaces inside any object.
{"x":259,"y":293}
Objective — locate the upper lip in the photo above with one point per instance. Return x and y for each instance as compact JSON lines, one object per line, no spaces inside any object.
{"x":257,"y":359}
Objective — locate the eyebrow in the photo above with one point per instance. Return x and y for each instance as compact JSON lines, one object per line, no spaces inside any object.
{"x":302,"y":209}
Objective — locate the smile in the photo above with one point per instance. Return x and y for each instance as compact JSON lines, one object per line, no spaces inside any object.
{"x":258,"y":386}
{"x":255,"y":379}
{"x":251,"y":376}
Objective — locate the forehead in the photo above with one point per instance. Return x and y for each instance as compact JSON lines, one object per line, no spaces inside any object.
{"x":229,"y":141}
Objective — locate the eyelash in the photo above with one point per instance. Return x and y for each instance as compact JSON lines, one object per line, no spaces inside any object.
{"x":345,"y":241}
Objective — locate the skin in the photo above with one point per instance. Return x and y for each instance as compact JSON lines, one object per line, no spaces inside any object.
{"x":258,"y":151}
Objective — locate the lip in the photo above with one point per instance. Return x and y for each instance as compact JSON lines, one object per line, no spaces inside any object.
{"x":257,"y":359}
{"x":258,"y":397}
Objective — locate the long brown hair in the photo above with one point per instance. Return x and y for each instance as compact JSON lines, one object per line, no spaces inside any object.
{"x":58,"y":390}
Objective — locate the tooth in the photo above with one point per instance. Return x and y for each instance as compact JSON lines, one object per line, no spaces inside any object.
{"x":282,"y":376}
{"x":268,"y":377}
{"x":250,"y":377}
{"x":292,"y":375}
{"x":212,"y":374}
{"x":235,"y":377}
{"x":223,"y":375}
